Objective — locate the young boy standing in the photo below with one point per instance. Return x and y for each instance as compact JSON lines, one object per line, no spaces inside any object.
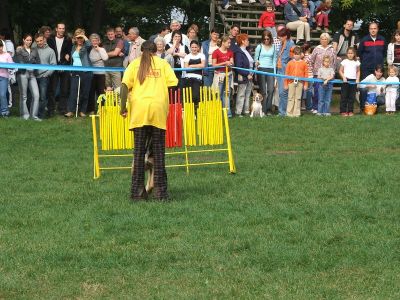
{"x":297,"y":68}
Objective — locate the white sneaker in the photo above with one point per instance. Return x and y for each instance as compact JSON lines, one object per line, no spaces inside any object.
{"x":238,"y":1}
{"x":227,"y":6}
{"x":314,"y":111}
{"x":252,"y":1}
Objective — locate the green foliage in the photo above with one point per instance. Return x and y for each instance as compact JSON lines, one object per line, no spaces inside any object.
{"x":148,"y":16}
{"x":313,"y":213}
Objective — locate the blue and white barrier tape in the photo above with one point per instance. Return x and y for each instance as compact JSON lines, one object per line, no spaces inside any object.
{"x":112,"y":69}
{"x":77,"y":69}
{"x":314,"y":79}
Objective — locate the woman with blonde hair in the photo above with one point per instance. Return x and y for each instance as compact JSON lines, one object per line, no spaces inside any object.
{"x":81,"y":80}
{"x":97,"y":55}
{"x":324,"y":48}
{"x":147,"y":79}
{"x":192,"y":33}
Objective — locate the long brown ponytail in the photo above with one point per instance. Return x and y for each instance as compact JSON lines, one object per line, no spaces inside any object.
{"x":148,"y":49}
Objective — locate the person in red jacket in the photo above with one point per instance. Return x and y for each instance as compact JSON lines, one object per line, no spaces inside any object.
{"x":267,"y":19}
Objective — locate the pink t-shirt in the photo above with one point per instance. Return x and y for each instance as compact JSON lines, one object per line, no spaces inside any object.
{"x":5,"y":57}
{"x":222,"y":57}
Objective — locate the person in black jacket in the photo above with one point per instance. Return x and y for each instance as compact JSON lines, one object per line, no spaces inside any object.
{"x":62,"y":46}
{"x":243,"y":60}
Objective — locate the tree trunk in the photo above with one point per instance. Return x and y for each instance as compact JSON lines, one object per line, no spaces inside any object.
{"x":4,"y":20}
{"x":77,"y":16}
{"x":98,"y":12}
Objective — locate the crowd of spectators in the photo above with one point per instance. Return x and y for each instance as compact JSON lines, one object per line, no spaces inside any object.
{"x":63,"y":92}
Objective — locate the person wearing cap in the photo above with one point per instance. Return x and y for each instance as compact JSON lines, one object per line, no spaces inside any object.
{"x":80,"y":58}
{"x":176,"y":26}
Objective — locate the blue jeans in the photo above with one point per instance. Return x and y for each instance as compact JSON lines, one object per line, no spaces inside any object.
{"x":221,"y":87}
{"x":208,"y":77}
{"x":266,"y":86}
{"x":86,"y":81}
{"x":3,"y":96}
{"x":28,"y":81}
{"x":309,"y":96}
{"x":313,"y":6}
{"x":283,"y":94}
{"x":325,"y":97}
{"x":272,"y":30}
{"x":43,"y":83}
{"x":315,"y":97}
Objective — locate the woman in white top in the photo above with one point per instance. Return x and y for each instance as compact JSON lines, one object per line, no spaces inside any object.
{"x":369,"y":87}
{"x":97,"y":55}
{"x":178,"y":51}
{"x":194,"y":79}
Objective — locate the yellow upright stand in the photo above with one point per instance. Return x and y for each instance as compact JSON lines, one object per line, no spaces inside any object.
{"x":203,"y":128}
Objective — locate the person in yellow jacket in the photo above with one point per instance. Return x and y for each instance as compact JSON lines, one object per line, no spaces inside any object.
{"x":146,"y":80}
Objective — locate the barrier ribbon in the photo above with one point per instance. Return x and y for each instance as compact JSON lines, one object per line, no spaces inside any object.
{"x":77,"y":69}
{"x":314,"y":79}
{"x":113,"y":69}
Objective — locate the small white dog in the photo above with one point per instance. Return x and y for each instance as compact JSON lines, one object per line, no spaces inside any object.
{"x":256,"y":107}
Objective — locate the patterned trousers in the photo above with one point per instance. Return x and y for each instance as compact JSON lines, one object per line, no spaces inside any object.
{"x":143,"y":136}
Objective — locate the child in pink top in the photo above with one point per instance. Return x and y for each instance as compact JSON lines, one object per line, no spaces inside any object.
{"x":5,"y":57}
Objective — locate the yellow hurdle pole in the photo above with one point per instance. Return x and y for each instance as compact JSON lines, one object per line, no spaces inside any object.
{"x":213,"y":117}
{"x":187,"y":160}
{"x":206,"y":123}
{"x":96,"y":164}
{"x":226,"y":87}
{"x":232,"y":168}
{"x":199,"y":115}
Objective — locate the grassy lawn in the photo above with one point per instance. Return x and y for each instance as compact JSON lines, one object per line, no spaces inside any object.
{"x":312,"y":213}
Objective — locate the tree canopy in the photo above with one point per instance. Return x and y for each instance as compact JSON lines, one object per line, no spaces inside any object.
{"x":26,"y":16}
{"x":95,"y":15}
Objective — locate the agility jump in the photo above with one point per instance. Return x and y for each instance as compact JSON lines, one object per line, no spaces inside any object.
{"x":204,"y":129}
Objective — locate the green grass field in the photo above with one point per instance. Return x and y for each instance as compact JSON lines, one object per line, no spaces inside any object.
{"x":312,"y":213}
